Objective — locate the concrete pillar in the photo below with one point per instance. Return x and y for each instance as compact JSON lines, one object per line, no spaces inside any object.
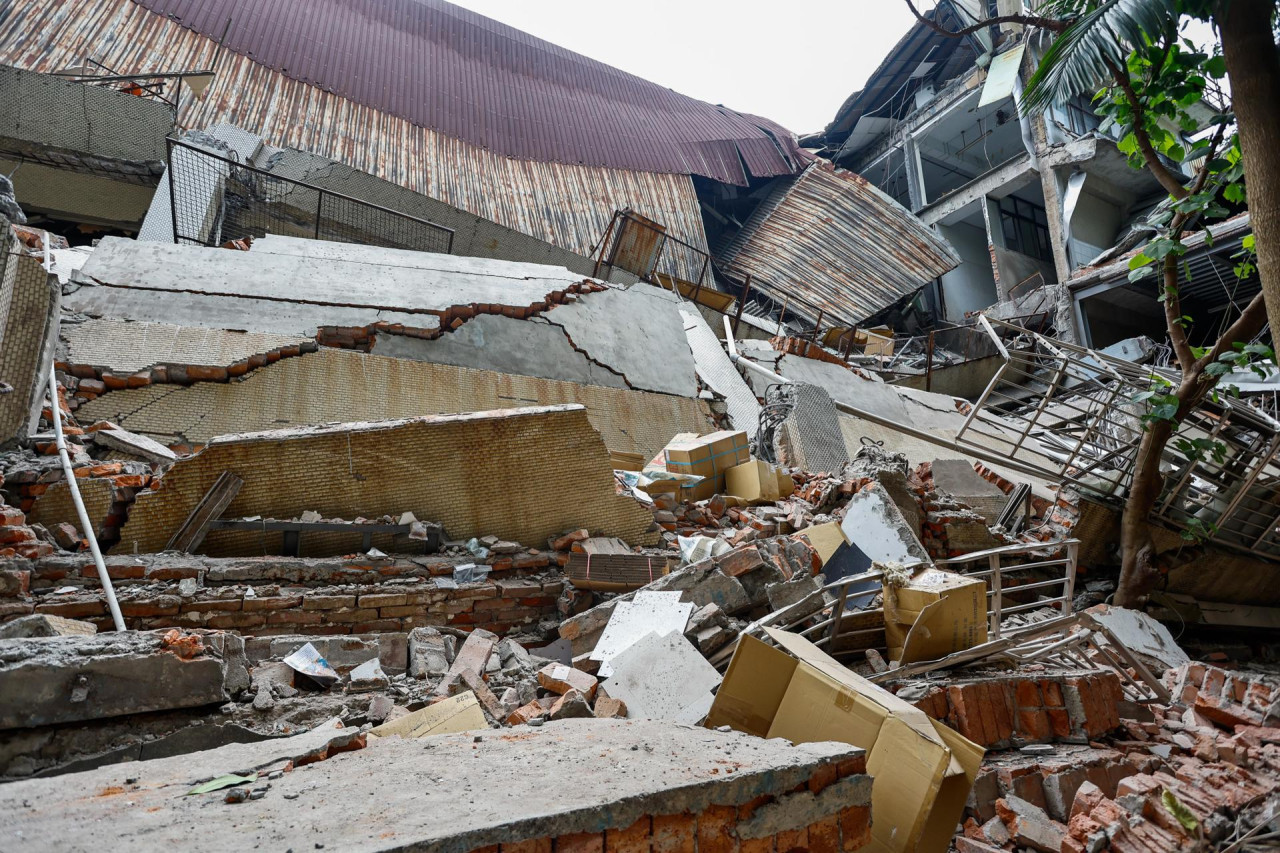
{"x":1052,"y":190}
{"x":915,"y":173}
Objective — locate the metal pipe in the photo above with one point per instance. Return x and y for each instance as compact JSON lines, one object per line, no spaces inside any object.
{"x":55,"y":415}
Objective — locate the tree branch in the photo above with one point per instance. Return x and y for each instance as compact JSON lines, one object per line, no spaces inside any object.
{"x":1166,"y":178}
{"x":1052,"y":24}
{"x":1173,"y":315}
{"x":1245,"y":328}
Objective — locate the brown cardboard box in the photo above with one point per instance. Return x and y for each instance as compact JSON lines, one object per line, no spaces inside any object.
{"x":922,"y":770}
{"x":934,"y":614}
{"x":685,"y":488}
{"x":707,"y":455}
{"x":758,"y":482}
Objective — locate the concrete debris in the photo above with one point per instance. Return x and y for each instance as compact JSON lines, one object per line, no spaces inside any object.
{"x":658,"y":549}
{"x":664,"y":678}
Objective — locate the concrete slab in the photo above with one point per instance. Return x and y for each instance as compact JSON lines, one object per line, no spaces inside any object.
{"x":437,"y":794}
{"x":663,"y":678}
{"x":959,"y":479}
{"x":506,"y":345}
{"x":205,"y":287}
{"x":637,"y":332}
{"x":1142,"y":635}
{"x":875,"y":526}
{"x":47,"y":680}
{"x":719,"y":374}
{"x":649,"y":612}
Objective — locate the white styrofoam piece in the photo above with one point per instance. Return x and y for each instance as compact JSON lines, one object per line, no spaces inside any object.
{"x":663,"y":678}
{"x":656,"y":612}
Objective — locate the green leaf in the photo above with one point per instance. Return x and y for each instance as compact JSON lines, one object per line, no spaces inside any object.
{"x":1216,"y":67}
{"x":1247,"y":243}
{"x":1178,"y":810}
{"x":1233,"y":193}
{"x":221,"y":782}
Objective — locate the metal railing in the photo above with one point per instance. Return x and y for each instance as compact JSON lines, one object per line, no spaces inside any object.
{"x":642,"y":247}
{"x":215,"y":200}
{"x":1077,"y":415}
{"x":1015,"y":579}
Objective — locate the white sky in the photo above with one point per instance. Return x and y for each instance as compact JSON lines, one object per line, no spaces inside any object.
{"x":791,"y":62}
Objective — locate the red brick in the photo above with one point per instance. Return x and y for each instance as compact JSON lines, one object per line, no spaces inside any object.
{"x":12,"y":517}
{"x":538,"y":845}
{"x":237,"y":620}
{"x":793,"y":841}
{"x":171,"y":573}
{"x":1028,"y":694}
{"x":1034,"y":725}
{"x":756,"y":845}
{"x":823,"y":776}
{"x":280,"y":602}
{"x":854,"y":765}
{"x":824,"y":836}
{"x":116,"y":573}
{"x":581,"y":842}
{"x":855,"y":827}
{"x":716,"y":829}
{"x":674,"y":833}
{"x":740,"y":561}
{"x":633,"y":839}
{"x":202,"y":373}
{"x":16,"y":535}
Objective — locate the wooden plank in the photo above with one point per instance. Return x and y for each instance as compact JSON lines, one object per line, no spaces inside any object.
{"x":191,"y":534}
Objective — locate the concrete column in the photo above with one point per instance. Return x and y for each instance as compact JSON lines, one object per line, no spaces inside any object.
{"x":1052,"y":190}
{"x":915,"y":173}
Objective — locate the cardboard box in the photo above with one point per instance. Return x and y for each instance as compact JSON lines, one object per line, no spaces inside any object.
{"x":707,"y":455}
{"x":934,"y":614}
{"x":686,"y":489}
{"x":922,"y":770}
{"x":758,"y":482}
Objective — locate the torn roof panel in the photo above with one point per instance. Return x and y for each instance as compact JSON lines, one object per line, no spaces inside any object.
{"x":443,"y":67}
{"x":832,"y":241}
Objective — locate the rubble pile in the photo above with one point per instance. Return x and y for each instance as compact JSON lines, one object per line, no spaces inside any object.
{"x":553,"y":529}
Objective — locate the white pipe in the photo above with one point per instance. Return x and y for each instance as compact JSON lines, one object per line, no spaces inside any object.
{"x":55,"y":415}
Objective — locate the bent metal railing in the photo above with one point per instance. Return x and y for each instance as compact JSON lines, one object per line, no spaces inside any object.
{"x":215,"y":200}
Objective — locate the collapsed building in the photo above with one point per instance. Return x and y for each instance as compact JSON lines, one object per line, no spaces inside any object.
{"x":364,"y":443}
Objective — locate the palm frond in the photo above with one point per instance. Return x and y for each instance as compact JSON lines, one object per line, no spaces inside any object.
{"x":1077,"y":60}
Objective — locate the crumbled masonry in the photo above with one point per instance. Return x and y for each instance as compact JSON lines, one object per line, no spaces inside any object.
{"x":648,"y":480}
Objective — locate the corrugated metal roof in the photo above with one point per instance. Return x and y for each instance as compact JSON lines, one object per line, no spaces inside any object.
{"x":449,"y":69}
{"x":836,"y":242}
{"x":566,"y":205}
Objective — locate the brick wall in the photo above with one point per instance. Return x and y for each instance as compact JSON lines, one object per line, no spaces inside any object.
{"x":520,"y":474}
{"x":997,"y":712}
{"x":28,"y":303}
{"x":821,"y":825}
{"x":336,"y":385}
{"x":289,"y":596}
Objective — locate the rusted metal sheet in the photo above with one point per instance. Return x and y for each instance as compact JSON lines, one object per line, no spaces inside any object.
{"x":837,"y":243}
{"x":440,"y":66}
{"x":566,"y":205}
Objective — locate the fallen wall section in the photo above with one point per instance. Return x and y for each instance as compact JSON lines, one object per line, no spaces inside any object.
{"x":520,"y":474}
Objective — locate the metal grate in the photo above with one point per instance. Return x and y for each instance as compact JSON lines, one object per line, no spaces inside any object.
{"x":215,"y":200}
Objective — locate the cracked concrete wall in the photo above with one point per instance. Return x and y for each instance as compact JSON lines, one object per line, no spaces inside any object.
{"x":125,"y":346}
{"x":526,"y":347}
{"x":292,"y":294}
{"x":521,"y":474}
{"x":638,"y":332}
{"x":342,"y":385}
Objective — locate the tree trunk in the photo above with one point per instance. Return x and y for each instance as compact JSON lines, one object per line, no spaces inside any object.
{"x":1138,"y":573}
{"x":1253,"y":67}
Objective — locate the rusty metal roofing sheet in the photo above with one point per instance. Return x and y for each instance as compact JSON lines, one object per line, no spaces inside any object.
{"x":566,"y":205}
{"x":835,"y":241}
{"x":440,"y":66}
